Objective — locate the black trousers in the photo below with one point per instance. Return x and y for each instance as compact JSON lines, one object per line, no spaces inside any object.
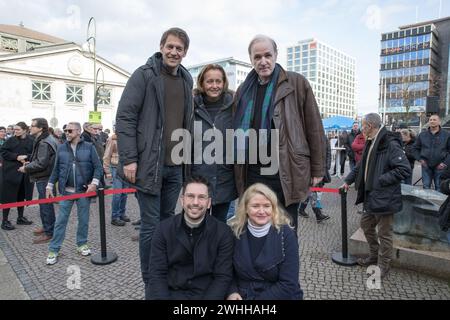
{"x":220,"y":211}
{"x":20,"y":198}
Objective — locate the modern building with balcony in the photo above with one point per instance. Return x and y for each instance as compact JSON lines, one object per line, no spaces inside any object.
{"x":414,"y":66}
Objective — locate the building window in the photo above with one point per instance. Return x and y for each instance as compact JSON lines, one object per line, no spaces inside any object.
{"x":10,"y":44}
{"x":104,"y":96}
{"x":41,"y":90}
{"x":74,"y":94}
{"x":32,"y":45}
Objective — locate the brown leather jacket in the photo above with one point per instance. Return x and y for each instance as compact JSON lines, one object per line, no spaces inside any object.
{"x":302,"y":147}
{"x":111,"y":156}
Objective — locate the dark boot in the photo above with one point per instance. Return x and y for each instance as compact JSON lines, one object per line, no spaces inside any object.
{"x":319,"y":215}
{"x":118,"y":222}
{"x":301,"y":210}
{"x":6,"y":225}
{"x":24,"y":221}
{"x":367,"y":261}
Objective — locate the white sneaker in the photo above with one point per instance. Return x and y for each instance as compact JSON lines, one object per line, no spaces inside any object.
{"x":84,"y":250}
{"x":52,"y":258}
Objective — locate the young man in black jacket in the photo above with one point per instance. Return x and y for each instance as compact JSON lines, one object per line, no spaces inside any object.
{"x":39,"y":169}
{"x":191,"y":256}
{"x":377,"y":179}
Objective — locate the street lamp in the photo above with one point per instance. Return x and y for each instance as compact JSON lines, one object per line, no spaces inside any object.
{"x":97,"y":92}
{"x":92,"y":37}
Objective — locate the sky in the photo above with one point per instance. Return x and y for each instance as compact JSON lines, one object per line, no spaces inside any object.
{"x":128,"y":33}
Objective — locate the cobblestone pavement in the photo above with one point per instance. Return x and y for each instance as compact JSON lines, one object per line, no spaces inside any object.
{"x":319,"y":276}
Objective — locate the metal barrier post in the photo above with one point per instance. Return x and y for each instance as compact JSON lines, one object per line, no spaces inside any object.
{"x":104,"y":257}
{"x":343,"y":258}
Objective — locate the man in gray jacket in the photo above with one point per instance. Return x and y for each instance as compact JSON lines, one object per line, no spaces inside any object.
{"x":157,"y":100}
{"x":40,"y":169}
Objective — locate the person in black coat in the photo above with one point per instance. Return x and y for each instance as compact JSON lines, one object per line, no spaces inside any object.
{"x":213,"y":113}
{"x":409,"y":138}
{"x":16,"y":185}
{"x":266,"y":252}
{"x":191,"y":253}
{"x":377,"y":179}
{"x":156,"y":103}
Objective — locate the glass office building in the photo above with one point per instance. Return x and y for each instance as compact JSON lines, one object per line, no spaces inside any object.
{"x":331,"y":74}
{"x":414,"y":66}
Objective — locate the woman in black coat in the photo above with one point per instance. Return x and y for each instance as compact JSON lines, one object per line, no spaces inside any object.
{"x":212,"y":109}
{"x":16,"y":185}
{"x":266,"y":252}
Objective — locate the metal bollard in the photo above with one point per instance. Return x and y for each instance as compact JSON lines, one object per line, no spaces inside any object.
{"x":104,"y":257}
{"x":343,"y":258}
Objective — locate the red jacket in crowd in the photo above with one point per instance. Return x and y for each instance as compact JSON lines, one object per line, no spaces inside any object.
{"x":358,"y":146}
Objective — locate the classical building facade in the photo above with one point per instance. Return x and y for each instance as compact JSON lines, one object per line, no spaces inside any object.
{"x":56,"y":81}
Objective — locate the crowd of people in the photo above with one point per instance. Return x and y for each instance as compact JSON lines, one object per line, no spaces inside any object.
{"x":201,"y":253}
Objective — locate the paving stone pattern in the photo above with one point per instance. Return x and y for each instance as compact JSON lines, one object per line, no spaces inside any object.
{"x":320,"y":278}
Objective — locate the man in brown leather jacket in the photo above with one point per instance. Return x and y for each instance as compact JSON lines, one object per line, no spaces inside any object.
{"x":274,"y":99}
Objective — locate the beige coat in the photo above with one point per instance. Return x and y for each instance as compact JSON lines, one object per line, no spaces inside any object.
{"x":111,"y":156}
{"x":302,"y":149}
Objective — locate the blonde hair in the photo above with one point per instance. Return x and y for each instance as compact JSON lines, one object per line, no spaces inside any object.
{"x":202,"y":74}
{"x":279,"y":217}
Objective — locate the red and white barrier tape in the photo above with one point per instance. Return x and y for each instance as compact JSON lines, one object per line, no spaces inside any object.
{"x":107,"y":192}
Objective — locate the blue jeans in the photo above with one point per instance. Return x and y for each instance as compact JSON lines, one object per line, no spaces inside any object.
{"x":431,"y":174}
{"x":155,"y":208}
{"x":231,"y":209}
{"x":65,"y":207}
{"x":47,"y":211}
{"x":119,"y":201}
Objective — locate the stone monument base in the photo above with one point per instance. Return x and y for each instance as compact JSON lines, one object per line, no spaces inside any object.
{"x":434,"y":263}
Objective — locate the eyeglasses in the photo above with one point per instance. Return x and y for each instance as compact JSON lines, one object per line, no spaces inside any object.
{"x":69,"y":130}
{"x":201,"y":197}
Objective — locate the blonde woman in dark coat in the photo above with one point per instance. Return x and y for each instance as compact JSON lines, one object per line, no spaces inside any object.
{"x":266,"y":252}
